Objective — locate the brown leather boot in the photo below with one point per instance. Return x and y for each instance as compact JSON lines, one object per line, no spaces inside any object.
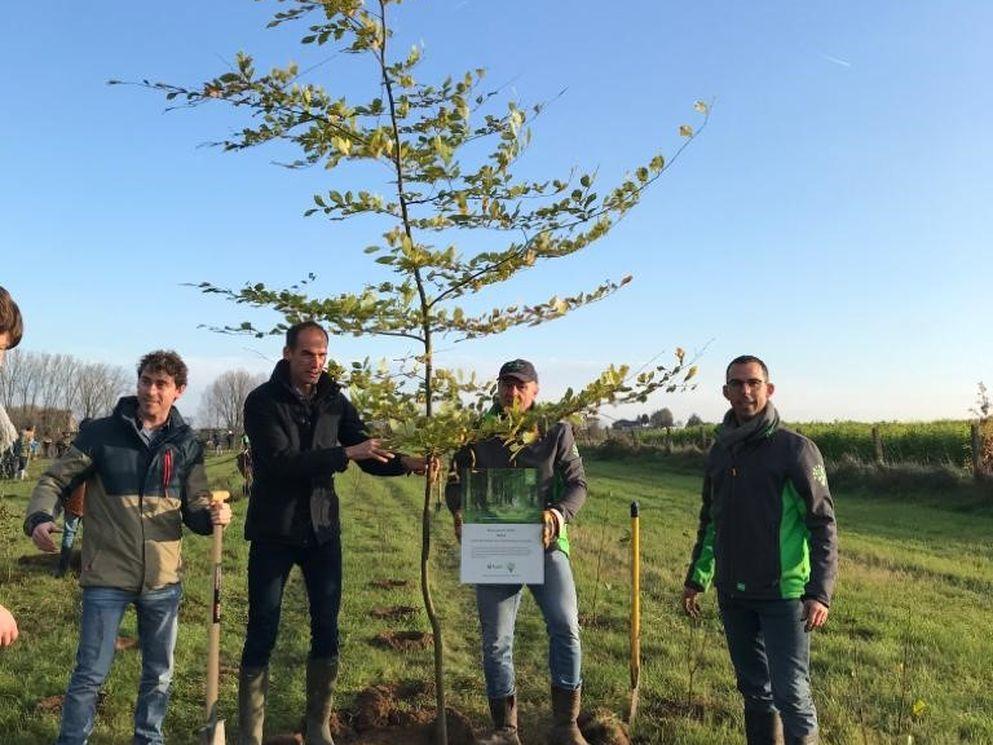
{"x":503,"y":711}
{"x":322,"y":675}
{"x":565,"y":711}
{"x":763,"y":728}
{"x":253,"y":685}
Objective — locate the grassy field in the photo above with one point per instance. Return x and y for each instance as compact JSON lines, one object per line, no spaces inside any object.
{"x":908,"y":649}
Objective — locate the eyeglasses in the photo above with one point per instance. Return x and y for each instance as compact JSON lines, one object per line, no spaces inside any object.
{"x":752,"y":384}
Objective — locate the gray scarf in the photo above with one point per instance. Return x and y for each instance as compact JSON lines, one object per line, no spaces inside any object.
{"x":733,"y":435}
{"x":8,"y":432}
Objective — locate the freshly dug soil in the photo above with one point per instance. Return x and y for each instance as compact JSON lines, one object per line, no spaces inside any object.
{"x":403,"y":641}
{"x":49,"y":705}
{"x":603,"y":727}
{"x":459,"y":732}
{"x":393,"y":612}
{"x":373,"y":707}
{"x":377,"y":720}
{"x":53,"y":704}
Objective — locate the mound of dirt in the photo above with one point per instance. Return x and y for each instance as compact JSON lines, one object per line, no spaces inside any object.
{"x":421,"y":733}
{"x":53,"y":704}
{"x":372,"y":708}
{"x":393,"y":612}
{"x":403,"y":641}
{"x":387,"y":584}
{"x":603,"y":727}
{"x":49,"y":705}
{"x":377,"y":719}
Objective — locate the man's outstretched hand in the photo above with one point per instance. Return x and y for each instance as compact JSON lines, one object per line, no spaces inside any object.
{"x":369,"y":450}
{"x":8,"y":628}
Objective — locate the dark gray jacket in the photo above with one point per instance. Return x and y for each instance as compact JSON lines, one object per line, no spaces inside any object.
{"x":767,"y":527}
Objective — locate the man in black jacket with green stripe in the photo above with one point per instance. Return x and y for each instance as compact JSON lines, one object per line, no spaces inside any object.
{"x":768,"y":542}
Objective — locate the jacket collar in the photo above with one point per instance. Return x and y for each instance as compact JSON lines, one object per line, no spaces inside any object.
{"x":326,"y":386}
{"x":127,"y":411}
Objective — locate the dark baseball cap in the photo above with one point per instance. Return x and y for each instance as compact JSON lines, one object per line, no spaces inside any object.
{"x":521,"y":370}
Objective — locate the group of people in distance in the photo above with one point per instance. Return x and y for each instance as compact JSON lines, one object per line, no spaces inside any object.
{"x":766,"y":540}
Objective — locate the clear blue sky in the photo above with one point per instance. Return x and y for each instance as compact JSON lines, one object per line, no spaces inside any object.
{"x":833,"y":218}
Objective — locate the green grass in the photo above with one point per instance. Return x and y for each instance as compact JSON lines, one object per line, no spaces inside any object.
{"x":916,"y":584}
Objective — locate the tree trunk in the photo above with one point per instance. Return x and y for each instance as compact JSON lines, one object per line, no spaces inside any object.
{"x":439,"y":657}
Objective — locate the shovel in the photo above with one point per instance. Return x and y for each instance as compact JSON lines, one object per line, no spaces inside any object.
{"x":213,"y":731}
{"x":635,"y":662}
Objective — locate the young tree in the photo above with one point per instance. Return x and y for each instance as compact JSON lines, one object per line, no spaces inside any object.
{"x":422,"y":136}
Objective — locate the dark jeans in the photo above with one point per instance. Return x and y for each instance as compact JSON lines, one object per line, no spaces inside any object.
{"x":770,"y":652}
{"x":269,"y":565}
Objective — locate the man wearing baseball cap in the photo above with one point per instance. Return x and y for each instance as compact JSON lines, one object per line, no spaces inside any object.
{"x":562,"y":485}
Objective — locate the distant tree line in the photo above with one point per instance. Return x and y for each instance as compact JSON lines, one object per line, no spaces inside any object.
{"x":53,"y":391}
{"x":659,"y":419}
{"x":223,"y":403}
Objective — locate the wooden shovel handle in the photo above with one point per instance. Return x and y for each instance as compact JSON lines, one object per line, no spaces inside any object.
{"x":214,"y":629}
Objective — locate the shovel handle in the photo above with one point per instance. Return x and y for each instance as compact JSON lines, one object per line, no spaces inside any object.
{"x":635,"y":596}
{"x":214,"y":629}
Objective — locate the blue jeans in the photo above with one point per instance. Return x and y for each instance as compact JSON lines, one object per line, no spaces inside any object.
{"x":269,"y":566}
{"x":103,"y":608}
{"x":770,"y":652}
{"x":498,"y":604}
{"x":69,"y":530}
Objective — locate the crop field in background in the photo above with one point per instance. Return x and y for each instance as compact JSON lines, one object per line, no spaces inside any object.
{"x":945,"y":442}
{"x":908,"y":649}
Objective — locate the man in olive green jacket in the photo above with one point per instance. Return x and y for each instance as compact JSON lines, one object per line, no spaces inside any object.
{"x":144,"y":475}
